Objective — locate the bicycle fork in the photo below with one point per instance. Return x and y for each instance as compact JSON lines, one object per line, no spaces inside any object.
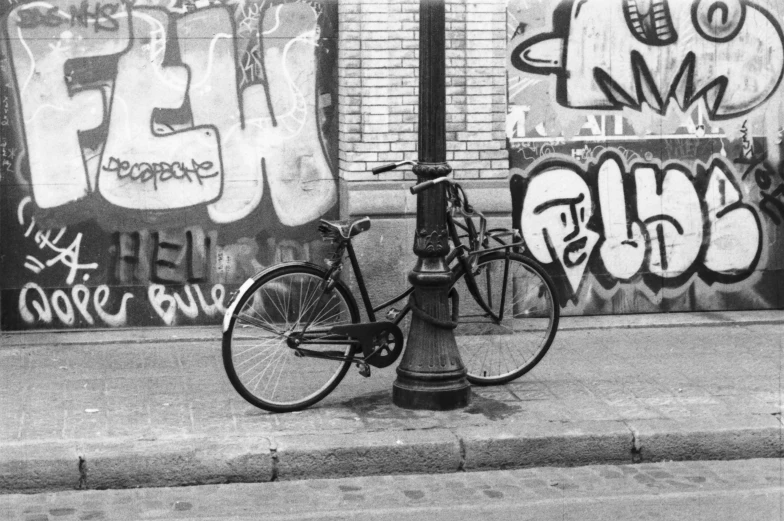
{"x":475,"y":292}
{"x":473,"y":288}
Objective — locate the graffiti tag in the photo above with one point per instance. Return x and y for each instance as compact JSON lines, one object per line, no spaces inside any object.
{"x":161,"y":172}
{"x":163,"y":86}
{"x":63,"y":306}
{"x":167,"y":306}
{"x":102,"y":17}
{"x":660,"y":223}
{"x":68,"y":255}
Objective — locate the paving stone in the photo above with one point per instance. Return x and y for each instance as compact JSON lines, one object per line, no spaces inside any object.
{"x":716,"y":394}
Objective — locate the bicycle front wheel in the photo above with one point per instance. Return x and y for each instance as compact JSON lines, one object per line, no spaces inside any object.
{"x":519,"y":291}
{"x":259,"y":361}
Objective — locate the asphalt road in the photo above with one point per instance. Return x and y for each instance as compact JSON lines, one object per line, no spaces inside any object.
{"x":750,"y":490}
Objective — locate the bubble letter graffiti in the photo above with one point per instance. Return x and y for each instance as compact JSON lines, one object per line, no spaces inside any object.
{"x":660,"y":224}
{"x":623,"y":53}
{"x":46,"y":56}
{"x":144,"y":166}
{"x":556,"y":210}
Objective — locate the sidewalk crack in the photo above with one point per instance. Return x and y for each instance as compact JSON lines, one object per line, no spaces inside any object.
{"x":82,"y":474}
{"x":461,"y":445}
{"x":274,"y":456}
{"x":636,"y":445}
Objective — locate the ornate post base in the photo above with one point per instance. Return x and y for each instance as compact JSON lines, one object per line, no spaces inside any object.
{"x":431,"y":375}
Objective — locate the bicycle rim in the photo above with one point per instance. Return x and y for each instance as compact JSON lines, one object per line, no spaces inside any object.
{"x":261,"y":365}
{"x":495,"y":353}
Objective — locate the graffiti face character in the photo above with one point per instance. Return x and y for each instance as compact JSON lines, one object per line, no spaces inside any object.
{"x":573,"y":218}
{"x":555,"y":215}
{"x":611,"y":54}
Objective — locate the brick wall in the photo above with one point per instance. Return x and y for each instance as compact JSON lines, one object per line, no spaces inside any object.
{"x":378,"y":81}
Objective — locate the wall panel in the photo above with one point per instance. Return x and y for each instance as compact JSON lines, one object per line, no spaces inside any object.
{"x":155,"y":154}
{"x":645,"y":146}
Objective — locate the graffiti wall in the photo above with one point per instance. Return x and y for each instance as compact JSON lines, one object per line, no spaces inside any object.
{"x":645,"y":142}
{"x":155,"y":154}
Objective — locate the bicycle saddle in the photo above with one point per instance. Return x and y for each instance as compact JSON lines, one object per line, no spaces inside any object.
{"x":344,"y":229}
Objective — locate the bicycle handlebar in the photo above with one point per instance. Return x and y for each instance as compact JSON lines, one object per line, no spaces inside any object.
{"x":421,"y":187}
{"x":391,"y":166}
{"x":416,"y":188}
{"x":384,"y":168}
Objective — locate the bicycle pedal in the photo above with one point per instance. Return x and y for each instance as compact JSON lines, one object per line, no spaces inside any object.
{"x":364,"y":369}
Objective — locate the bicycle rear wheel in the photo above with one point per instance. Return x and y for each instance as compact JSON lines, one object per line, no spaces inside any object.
{"x":260,"y":363}
{"x":495,"y":353}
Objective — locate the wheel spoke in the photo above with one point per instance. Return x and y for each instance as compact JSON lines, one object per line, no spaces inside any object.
{"x":251,"y":368}
{"x":498,"y":352}
{"x":266,"y":371}
{"x":272,"y":345}
{"x":247,"y":319}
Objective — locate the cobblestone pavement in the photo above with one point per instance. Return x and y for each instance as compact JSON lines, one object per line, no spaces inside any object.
{"x":736,"y":491}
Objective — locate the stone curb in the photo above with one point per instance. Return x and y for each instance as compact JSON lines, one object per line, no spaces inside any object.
{"x":52,"y":466}
{"x":18,"y":339}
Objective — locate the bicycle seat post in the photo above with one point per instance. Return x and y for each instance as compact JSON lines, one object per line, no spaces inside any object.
{"x":431,"y":374}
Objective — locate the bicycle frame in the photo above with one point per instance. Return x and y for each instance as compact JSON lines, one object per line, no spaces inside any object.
{"x":297,"y":311}
{"x":466,"y":256}
{"x":335,"y":266}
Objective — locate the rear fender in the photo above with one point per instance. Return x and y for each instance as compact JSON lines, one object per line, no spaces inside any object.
{"x":237,"y":296}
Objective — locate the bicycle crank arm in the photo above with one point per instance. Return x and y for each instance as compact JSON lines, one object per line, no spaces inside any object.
{"x":382,"y":342}
{"x":339,"y":356}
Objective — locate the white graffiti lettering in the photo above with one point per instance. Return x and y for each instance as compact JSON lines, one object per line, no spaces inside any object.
{"x":63,"y":305}
{"x":170,"y":124}
{"x":163,"y":304}
{"x":670,"y":208}
{"x":41,"y":305}
{"x":624,"y":246}
{"x":167,"y":306}
{"x":555,"y":214}
{"x":81,"y":297}
{"x":100,"y":298}
{"x":53,"y":115}
{"x":661,"y":223}
{"x":734,"y":227}
{"x":132,"y":138}
{"x":68,"y":256}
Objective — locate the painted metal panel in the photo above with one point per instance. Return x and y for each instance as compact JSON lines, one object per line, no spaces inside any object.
{"x":645,"y":141}
{"x":154,"y":155}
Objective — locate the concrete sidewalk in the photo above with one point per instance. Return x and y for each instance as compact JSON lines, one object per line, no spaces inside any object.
{"x":128,"y":408}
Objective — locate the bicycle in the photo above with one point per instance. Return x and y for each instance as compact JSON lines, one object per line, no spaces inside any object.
{"x":301,"y":328}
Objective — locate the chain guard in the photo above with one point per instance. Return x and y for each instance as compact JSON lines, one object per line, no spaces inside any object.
{"x":382,"y":342}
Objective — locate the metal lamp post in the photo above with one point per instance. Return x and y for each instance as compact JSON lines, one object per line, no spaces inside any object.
{"x":431,"y":374}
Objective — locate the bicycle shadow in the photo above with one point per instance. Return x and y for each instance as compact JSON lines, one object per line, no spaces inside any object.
{"x":379,"y":405}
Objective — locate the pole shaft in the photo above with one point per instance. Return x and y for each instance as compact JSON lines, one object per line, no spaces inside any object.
{"x":431,"y":374}
{"x":432,"y":82}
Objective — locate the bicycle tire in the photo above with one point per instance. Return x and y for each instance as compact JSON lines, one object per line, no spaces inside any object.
{"x":498,"y":353}
{"x":282,"y":299}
